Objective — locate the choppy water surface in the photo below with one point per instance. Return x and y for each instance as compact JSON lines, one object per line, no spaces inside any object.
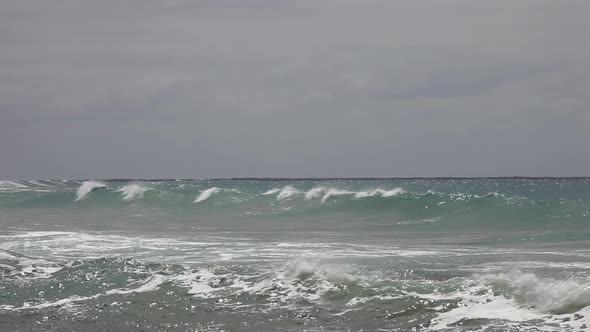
{"x":295,"y":255}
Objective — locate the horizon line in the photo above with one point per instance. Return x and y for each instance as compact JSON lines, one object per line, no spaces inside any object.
{"x":318,"y":178}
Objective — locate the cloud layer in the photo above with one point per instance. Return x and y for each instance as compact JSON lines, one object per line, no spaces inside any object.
{"x":294,"y":88}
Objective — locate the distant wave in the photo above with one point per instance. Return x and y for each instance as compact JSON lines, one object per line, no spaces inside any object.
{"x":86,"y":188}
{"x":327,"y":193}
{"x":38,"y":183}
{"x":24,"y":186}
{"x":495,"y":194}
{"x":287,"y":192}
{"x":290,"y":198}
{"x":315,"y":193}
{"x":132,"y":191}
{"x":336,"y":192}
{"x":12,"y":186}
{"x":283,"y":193}
{"x":323,"y":193}
{"x":205,"y":194}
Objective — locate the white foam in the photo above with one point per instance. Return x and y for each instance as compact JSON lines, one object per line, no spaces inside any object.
{"x":271,"y":191}
{"x":315,"y":193}
{"x":58,"y":303}
{"x":287,"y":192}
{"x":335,"y":192}
{"x":205,"y":194}
{"x":199,"y":283}
{"x":497,"y":308}
{"x":300,"y":268}
{"x":505,"y":315}
{"x":494,"y":194}
{"x":544,"y":294}
{"x":38,"y":268}
{"x":520,"y":298}
{"x":327,"y":193}
{"x":132,"y":191}
{"x":151,"y":285}
{"x":379,"y":192}
{"x":86,"y":188}
{"x":304,"y":278}
{"x":35,"y":234}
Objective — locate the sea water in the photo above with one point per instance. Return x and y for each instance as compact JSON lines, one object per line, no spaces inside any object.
{"x":295,"y":255}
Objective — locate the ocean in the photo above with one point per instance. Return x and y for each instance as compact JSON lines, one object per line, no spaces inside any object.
{"x":506,"y":254}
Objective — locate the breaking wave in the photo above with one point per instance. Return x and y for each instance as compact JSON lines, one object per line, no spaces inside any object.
{"x":402,"y":206}
{"x":283,"y":193}
{"x":547,"y":295}
{"x":287,"y":192}
{"x":133,"y":191}
{"x":515,"y":300}
{"x":346,"y":278}
{"x":327,"y":193}
{"x":86,"y":188}
{"x":518,"y":301}
{"x":205,"y":194}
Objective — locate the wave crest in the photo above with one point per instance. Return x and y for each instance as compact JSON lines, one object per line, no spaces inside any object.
{"x":132,"y":191}
{"x":545,"y":294}
{"x":86,"y":188}
{"x":205,"y":194}
{"x":287,"y":192}
{"x":327,"y":193}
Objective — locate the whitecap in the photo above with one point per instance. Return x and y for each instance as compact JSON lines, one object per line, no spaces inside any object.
{"x":379,"y":192}
{"x":205,"y":194}
{"x":287,"y":192}
{"x":315,"y":193}
{"x":86,"y":188}
{"x":132,"y":191}
{"x":327,"y":193}
{"x":336,"y":192}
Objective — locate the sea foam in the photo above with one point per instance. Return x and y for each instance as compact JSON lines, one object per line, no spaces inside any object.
{"x":517,"y":298}
{"x":544,"y":294}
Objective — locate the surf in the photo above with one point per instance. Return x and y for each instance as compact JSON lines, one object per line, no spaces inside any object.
{"x":132,"y":192}
{"x":86,"y":188}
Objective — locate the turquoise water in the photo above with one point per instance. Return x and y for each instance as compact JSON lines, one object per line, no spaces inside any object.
{"x":295,"y":255}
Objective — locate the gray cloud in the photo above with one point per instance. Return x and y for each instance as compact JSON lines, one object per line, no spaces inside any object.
{"x":293,"y":88}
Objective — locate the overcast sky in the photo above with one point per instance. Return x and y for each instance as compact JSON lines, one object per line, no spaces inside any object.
{"x":322,"y":88}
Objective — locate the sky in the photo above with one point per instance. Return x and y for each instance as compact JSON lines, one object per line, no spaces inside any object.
{"x":279,"y":88}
